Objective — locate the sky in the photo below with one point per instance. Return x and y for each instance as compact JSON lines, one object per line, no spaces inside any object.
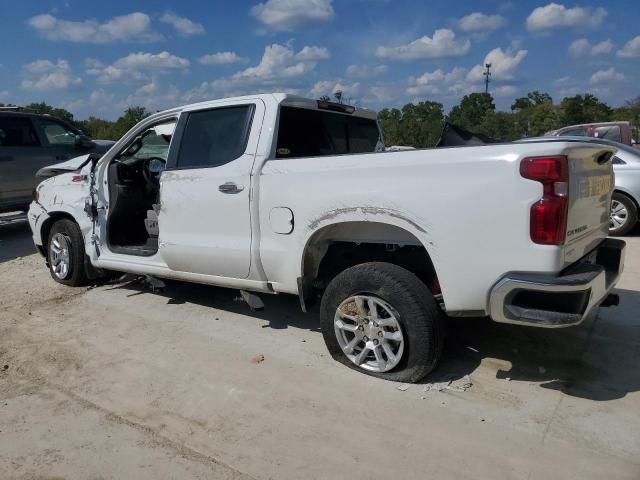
{"x":98,"y":58}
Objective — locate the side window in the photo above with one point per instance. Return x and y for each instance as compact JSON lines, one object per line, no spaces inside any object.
{"x":575,"y":132}
{"x":363,"y":135}
{"x":312,"y":133}
{"x":214,"y":137}
{"x":609,"y":133}
{"x":57,"y":133}
{"x":17,"y":132}
{"x":151,"y":143}
{"x":618,"y":161}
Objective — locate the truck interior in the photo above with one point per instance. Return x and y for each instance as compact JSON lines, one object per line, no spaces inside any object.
{"x":134,"y":191}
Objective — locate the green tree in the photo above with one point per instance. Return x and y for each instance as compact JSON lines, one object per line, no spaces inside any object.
{"x":47,"y":109}
{"x":416,"y":125}
{"x":129,"y":119}
{"x":533,"y":98}
{"x":472,"y":110}
{"x":583,"y":109}
{"x":389,"y":120}
{"x":541,"y":119}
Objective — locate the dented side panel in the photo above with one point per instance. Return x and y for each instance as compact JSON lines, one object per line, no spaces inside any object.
{"x":467,"y":206}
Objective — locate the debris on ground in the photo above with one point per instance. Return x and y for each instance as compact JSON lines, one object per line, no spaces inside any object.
{"x":403,"y":388}
{"x":258,"y":359}
{"x":542,"y":370}
{"x":455,"y":385}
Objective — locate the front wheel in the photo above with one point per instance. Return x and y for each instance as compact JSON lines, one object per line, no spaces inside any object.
{"x":380,"y":319}
{"x":66,"y":254}
{"x":623,"y":215}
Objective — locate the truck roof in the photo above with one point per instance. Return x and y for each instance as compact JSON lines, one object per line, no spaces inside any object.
{"x":284,"y":99}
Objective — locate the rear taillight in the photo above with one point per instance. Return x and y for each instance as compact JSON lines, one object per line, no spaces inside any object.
{"x":549,"y":214}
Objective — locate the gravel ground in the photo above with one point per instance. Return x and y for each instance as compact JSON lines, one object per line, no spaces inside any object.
{"x":120,"y":382}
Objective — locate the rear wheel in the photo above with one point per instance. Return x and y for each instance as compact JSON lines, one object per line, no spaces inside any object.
{"x":380,"y":319}
{"x":66,"y":254}
{"x":623,"y":215}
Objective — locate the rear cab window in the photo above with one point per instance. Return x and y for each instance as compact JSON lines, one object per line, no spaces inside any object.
{"x":306,"y":132}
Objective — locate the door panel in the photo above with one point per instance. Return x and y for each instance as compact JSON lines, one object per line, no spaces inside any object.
{"x":205,"y":220}
{"x":21,"y":156}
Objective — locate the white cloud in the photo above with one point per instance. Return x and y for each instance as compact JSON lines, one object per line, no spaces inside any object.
{"x":605,"y":76}
{"x":139,"y":66}
{"x":477,"y":21}
{"x":154,"y":96}
{"x":503,"y":65}
{"x":310,"y":54}
{"x":582,"y":47}
{"x":555,"y":15}
{"x":132,"y":27}
{"x":182,"y":25}
{"x":222,"y":58}
{"x":91,"y":63}
{"x":288,"y":15}
{"x":47,"y":75}
{"x":328,"y":87}
{"x":281,"y":69}
{"x":504,"y":91}
{"x":365,"y":71}
{"x":631,"y":49}
{"x":442,"y":44}
{"x":280,"y":62}
{"x":437,"y":82}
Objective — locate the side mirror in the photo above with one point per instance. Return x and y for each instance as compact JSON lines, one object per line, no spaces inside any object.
{"x":83,"y":141}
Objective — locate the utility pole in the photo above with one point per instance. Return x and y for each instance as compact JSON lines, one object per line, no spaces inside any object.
{"x":487,"y":77}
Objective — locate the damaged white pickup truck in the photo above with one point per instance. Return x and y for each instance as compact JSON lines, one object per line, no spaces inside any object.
{"x":280,"y":194}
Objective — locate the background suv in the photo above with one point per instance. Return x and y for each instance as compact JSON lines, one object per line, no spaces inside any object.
{"x":30,"y":141}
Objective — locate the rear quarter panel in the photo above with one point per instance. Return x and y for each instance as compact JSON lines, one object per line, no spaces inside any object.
{"x":468,"y":206}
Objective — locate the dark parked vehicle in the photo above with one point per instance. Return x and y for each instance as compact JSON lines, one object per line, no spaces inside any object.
{"x":30,"y":141}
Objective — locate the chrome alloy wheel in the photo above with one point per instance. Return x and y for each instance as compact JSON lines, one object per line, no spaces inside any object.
{"x":618,"y":215}
{"x":60,"y":255}
{"x":369,"y":333}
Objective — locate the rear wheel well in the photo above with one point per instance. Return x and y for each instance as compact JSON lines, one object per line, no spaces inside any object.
{"x":620,"y":192}
{"x":337,"y":247}
{"x":342,"y":255}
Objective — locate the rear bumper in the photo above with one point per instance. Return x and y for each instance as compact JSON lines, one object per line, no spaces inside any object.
{"x":551,"y":301}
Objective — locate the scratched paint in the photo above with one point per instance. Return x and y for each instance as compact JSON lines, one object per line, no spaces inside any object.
{"x":367,"y":210}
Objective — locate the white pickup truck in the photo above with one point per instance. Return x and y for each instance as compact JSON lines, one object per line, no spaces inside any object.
{"x":279,"y":194}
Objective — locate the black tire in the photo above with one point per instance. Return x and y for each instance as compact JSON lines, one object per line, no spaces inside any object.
{"x":420,"y":318}
{"x":76,"y":275}
{"x":631,"y":218}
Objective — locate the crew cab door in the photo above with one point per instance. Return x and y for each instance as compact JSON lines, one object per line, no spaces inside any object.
{"x":21,"y":156}
{"x":205,"y":219}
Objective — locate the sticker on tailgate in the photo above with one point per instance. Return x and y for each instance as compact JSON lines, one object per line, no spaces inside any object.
{"x":594,"y":186}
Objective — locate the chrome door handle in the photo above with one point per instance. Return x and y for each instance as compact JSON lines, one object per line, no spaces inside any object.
{"x":230,"y":187}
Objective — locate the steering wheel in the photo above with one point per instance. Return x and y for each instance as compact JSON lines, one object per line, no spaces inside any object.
{"x":152,"y":169}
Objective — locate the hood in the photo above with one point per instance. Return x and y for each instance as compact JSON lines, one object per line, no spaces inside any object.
{"x":72,"y":165}
{"x":76,"y":163}
{"x":103,"y":145}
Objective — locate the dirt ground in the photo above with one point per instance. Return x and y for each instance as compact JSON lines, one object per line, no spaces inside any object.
{"x":120,"y":382}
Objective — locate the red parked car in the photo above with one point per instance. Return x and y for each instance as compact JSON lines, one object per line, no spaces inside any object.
{"x":621,"y":132}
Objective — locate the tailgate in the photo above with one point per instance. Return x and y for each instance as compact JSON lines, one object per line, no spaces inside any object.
{"x":591,"y":182}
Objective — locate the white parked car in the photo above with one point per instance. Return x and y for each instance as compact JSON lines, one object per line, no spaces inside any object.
{"x":280,"y":194}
